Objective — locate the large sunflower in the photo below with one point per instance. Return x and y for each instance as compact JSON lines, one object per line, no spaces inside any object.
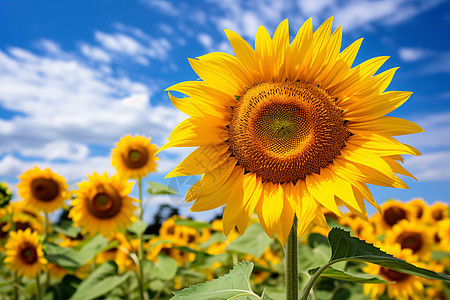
{"x":102,"y":204}
{"x":43,"y":189}
{"x":24,"y":253}
{"x":134,"y":156}
{"x":287,"y":128}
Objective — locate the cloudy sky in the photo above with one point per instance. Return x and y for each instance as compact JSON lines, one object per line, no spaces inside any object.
{"x":75,"y":76}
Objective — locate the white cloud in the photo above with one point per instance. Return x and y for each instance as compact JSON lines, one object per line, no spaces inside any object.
{"x":163,"y":6}
{"x":71,"y":151}
{"x":65,"y":106}
{"x":431,"y":166}
{"x":133,"y":43}
{"x":205,"y":39}
{"x":72,"y":171}
{"x":49,"y":46}
{"x":412,"y":54}
{"x":95,"y":53}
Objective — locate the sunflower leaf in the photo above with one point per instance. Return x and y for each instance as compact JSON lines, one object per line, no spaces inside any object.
{"x":138,"y":227}
{"x":346,"y":247}
{"x":156,"y":188}
{"x":234,"y":285}
{"x":100,"y":282}
{"x":192,"y":223}
{"x":254,"y":241}
{"x":342,"y":275}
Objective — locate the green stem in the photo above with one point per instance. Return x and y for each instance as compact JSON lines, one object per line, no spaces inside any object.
{"x":141,"y":245}
{"x":316,"y":276}
{"x":46,"y":226}
{"x":16,"y":289}
{"x":38,"y":288}
{"x":291,"y":264}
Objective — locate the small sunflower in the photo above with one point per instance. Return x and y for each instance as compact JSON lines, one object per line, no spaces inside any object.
{"x":43,"y":189}
{"x":420,"y":208}
{"x":437,"y":212}
{"x":405,"y":286}
{"x":134,"y":157}
{"x":102,"y":205}
{"x":24,"y":253}
{"x":411,"y":235}
{"x":56,"y":271}
{"x":391,"y":212}
{"x":443,"y":234}
{"x":288,"y":127}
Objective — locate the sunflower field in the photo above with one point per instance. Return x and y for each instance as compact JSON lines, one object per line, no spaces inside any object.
{"x":288,"y":137}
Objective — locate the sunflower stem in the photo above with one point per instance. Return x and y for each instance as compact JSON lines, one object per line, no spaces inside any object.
{"x":38,"y":288}
{"x":46,"y":226}
{"x":141,"y":245}
{"x":16,"y":289}
{"x":291,"y":264}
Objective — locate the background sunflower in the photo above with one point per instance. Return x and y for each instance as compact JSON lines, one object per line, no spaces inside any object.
{"x":134,"y":157}
{"x":102,"y":204}
{"x":24,"y":253}
{"x":42,"y":189}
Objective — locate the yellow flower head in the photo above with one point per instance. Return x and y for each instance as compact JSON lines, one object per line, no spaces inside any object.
{"x":288,"y":126}
{"x":43,"y":189}
{"x":24,"y":253}
{"x":134,"y":157}
{"x":437,"y":212}
{"x":391,"y":213}
{"x":412,"y":235}
{"x":102,"y":205}
{"x":420,"y":207}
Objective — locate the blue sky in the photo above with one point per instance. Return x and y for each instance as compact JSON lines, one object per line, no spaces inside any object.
{"x":75,"y":76}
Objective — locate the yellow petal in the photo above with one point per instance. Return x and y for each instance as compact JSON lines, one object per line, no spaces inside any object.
{"x":349,"y":53}
{"x":299,"y":54}
{"x":202,"y":160}
{"x":243,"y":51}
{"x":385,"y":125}
{"x":211,"y":181}
{"x":280,"y":46}
{"x":264,"y":53}
{"x":203,"y":92}
{"x":195,"y":108}
{"x":218,"y":197}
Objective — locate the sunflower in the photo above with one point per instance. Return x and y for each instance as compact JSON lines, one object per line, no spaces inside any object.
{"x":442,"y":236}
{"x":43,"y":189}
{"x":24,"y":253}
{"x":102,"y":205}
{"x":391,"y":213}
{"x":288,"y":127}
{"x":56,"y":271}
{"x":437,"y":212}
{"x":406,"y":286}
{"x":134,"y":156}
{"x":411,"y":235}
{"x":420,"y":208}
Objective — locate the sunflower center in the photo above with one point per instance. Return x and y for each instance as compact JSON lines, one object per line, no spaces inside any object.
{"x":105,"y":204}
{"x":391,"y":275}
{"x":44,"y":189}
{"x":283,"y":131}
{"x":28,"y":254}
{"x":437,"y":215}
{"x":410,"y":240}
{"x":394,"y":214}
{"x":136,"y":157}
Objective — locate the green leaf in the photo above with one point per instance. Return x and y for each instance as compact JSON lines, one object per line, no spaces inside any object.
{"x":234,"y":285}
{"x":66,"y":228}
{"x":156,"y":188}
{"x":345,"y":247}
{"x":165,"y":268}
{"x":440,"y":255}
{"x":192,"y":223}
{"x":254,"y":241}
{"x":310,"y":258}
{"x":71,"y":259}
{"x":216,"y":237}
{"x":315,"y":239}
{"x":138,"y":227}
{"x":100,"y":282}
{"x":342,"y":275}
